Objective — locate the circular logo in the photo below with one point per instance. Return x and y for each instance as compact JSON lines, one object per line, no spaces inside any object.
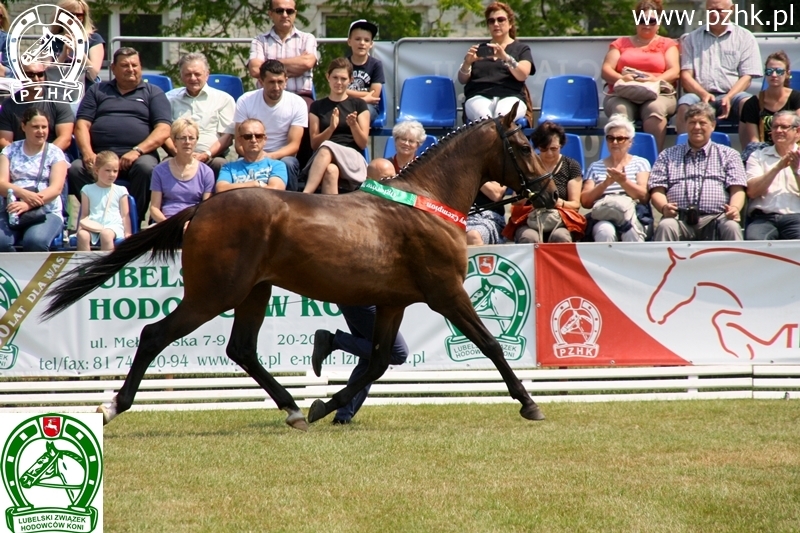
{"x":9,"y":292}
{"x":576,"y":324}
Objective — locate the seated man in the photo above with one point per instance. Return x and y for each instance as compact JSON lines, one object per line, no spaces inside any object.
{"x":718,"y":62}
{"x":128,"y":117}
{"x":283,"y":114}
{"x":210,"y":108}
{"x":255,"y":169}
{"x":772,"y":183}
{"x":60,"y":117}
{"x":698,"y":187}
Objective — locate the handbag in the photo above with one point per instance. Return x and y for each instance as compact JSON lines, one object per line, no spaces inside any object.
{"x":93,"y":226}
{"x":640,"y":92}
{"x":37,"y":215}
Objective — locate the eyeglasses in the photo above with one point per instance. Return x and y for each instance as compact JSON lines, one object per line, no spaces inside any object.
{"x":251,"y":136}
{"x":281,"y":11}
{"x":499,"y":20}
{"x":782,"y":127}
{"x":31,"y":75}
{"x":648,"y":22}
{"x":770,"y":71}
{"x":613,"y":139}
{"x":186,"y":139}
{"x":407,"y":141}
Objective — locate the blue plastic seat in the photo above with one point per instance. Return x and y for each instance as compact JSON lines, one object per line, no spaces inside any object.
{"x":380,"y":120}
{"x":158,"y":80}
{"x":227,"y":83}
{"x":431,"y":100}
{"x":716,"y":136}
{"x":574,"y":148}
{"x":390,"y":149}
{"x":794,"y":81}
{"x":570,"y":101}
{"x":644,"y":145}
{"x":133,"y":216}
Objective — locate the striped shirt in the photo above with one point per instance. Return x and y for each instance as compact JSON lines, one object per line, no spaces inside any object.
{"x":212,"y":109}
{"x":270,"y":46}
{"x":719,"y":62}
{"x":700,"y":177}
{"x":598,"y":172}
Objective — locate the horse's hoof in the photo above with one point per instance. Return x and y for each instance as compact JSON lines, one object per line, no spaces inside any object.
{"x":297,"y":420}
{"x":531,"y":412}
{"x":106,"y":412}
{"x":317,"y":411}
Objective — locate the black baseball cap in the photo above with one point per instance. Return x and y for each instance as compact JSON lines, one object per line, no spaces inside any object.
{"x":364,"y":24}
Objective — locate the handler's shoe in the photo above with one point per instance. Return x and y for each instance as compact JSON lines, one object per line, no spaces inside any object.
{"x":323,"y":346}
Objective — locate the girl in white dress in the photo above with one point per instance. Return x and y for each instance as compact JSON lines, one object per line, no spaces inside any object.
{"x":105,"y":204}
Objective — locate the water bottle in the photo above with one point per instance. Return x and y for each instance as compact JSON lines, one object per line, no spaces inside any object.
{"x":13,"y":218}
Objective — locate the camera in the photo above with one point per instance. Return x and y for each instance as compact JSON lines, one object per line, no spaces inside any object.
{"x":484,"y":50}
{"x":690,"y":215}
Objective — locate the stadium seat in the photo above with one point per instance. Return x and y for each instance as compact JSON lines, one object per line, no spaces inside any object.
{"x":794,"y":81}
{"x":390,"y":150}
{"x":570,"y":101}
{"x":380,"y":120}
{"x":431,"y":100}
{"x":159,"y":81}
{"x":644,"y":145}
{"x":227,"y":83}
{"x":574,"y":148}
{"x":133,"y":217}
{"x":716,"y":136}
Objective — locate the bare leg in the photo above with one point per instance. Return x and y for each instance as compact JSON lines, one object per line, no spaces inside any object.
{"x":474,"y":237}
{"x":330,"y":181}
{"x":680,"y":119}
{"x":107,"y":237}
{"x":322,"y":159}
{"x":657,"y":127}
{"x":84,"y":240}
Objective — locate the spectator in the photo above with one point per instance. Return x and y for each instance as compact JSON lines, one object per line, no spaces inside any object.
{"x":718,"y":61}
{"x":549,"y":138}
{"x":617,"y":183}
{"x":487,"y":226}
{"x":97,"y":50}
{"x":284,"y":115}
{"x":773,"y":183}
{"x":698,"y":187}
{"x":339,"y":128}
{"x":128,"y":117}
{"x":756,"y":123}
{"x":255,"y":169}
{"x":105,"y":204}
{"x":60,"y":118}
{"x":32,"y":163}
{"x":297,"y":50}
{"x":182,"y":181}
{"x":652,"y":55}
{"x":211,"y":109}
{"x":368,"y":76}
{"x":408,"y":137}
{"x":5,"y":23}
{"x":494,"y":74}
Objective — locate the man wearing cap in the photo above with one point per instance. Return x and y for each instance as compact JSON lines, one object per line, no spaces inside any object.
{"x":368,"y":76}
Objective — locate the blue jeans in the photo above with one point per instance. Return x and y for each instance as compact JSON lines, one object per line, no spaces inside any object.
{"x":361,"y":321}
{"x":733,"y":115}
{"x":292,"y":172}
{"x":36,"y":238}
{"x":771,"y":227}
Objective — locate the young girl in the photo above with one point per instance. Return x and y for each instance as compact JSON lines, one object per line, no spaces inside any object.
{"x":105,"y":204}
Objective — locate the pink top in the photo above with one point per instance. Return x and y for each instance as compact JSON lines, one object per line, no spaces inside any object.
{"x":651,"y":59}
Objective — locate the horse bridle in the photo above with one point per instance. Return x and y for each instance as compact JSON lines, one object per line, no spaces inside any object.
{"x":523,"y":194}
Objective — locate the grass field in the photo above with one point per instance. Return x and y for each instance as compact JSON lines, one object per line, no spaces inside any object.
{"x":705,"y":466}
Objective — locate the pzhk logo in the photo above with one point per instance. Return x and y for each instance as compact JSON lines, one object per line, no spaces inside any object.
{"x":43,"y":26}
{"x":501,"y":295}
{"x":52,"y":468}
{"x":9,"y":291}
{"x":576,"y":325}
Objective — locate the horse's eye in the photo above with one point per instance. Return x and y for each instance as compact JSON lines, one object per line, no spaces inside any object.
{"x":525,"y":149}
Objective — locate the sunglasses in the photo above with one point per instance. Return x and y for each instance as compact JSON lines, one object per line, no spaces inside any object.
{"x":499,"y":20}
{"x":770,"y":71}
{"x":281,"y":11}
{"x":613,"y":139}
{"x":79,"y":15}
{"x":649,"y":22}
{"x":32,"y":75}
{"x":256,"y":136}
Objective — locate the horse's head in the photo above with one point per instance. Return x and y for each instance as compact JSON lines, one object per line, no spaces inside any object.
{"x":521,"y":169}
{"x":672,"y":292}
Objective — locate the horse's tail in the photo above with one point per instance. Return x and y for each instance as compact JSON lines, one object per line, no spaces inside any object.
{"x":162,"y":240}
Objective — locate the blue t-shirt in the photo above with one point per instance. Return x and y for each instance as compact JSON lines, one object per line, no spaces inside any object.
{"x":241,"y":171}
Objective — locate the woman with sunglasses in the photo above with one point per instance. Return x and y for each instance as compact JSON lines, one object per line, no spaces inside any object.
{"x":80,"y":9}
{"x":494,"y":73}
{"x":618,"y":174}
{"x":181,"y":181}
{"x":755,"y":127}
{"x":653,"y":58}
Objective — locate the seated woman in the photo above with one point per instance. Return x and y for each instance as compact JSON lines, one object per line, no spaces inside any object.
{"x":408,"y":137}
{"x":339,"y":130}
{"x":487,"y":226}
{"x":181,"y":181}
{"x":657,"y":58}
{"x":494,"y":73}
{"x":755,"y":126}
{"x":549,"y":138}
{"x":618,"y":175}
{"x":33,"y":172}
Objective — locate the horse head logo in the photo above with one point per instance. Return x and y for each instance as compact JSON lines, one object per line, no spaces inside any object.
{"x":669,"y":295}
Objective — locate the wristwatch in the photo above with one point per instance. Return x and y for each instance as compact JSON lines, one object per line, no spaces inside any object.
{"x":137,"y":149}
{"x":208,"y":153}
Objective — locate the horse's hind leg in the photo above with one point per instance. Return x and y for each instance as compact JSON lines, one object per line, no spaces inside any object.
{"x":248,"y":317}
{"x":154,"y":338}
{"x":387,"y":324}
{"x":458,"y":309}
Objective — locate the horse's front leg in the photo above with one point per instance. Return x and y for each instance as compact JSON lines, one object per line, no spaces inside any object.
{"x":387,"y":324}
{"x":458,"y":309}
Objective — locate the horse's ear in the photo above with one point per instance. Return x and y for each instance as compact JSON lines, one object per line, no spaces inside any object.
{"x":508,"y":120}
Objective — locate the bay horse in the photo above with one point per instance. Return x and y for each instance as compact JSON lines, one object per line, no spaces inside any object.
{"x":353,"y":249}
